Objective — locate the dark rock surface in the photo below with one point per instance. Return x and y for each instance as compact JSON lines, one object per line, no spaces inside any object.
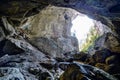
{"x":48,"y":46}
{"x":101,"y":55}
{"x":49,"y":50}
{"x":106,"y":11}
{"x":78,"y":71}
{"x":11,"y":49}
{"x":9,"y":73}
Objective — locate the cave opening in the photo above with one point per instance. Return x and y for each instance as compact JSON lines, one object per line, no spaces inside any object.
{"x":36,"y":41}
{"x":85,"y":30}
{"x":40,"y":47}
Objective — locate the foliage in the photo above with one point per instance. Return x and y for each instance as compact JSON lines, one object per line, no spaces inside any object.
{"x":91,"y":37}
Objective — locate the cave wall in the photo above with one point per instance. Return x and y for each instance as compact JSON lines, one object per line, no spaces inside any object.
{"x":33,"y":45}
{"x":52,"y":22}
{"x":106,"y":11}
{"x":50,"y":30}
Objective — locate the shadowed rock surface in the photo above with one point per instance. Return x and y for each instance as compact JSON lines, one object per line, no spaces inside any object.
{"x":36,"y":43}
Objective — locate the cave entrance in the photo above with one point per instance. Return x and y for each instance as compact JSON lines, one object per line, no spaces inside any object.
{"x":84,"y":29}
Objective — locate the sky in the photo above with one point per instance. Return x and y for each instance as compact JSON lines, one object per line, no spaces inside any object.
{"x":81,"y":26}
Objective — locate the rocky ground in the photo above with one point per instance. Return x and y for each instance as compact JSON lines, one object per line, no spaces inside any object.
{"x":20,"y":60}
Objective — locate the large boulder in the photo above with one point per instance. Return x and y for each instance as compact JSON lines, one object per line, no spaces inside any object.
{"x":80,"y":71}
{"x":7,"y":47}
{"x":53,"y":38}
{"x":11,"y":49}
{"x":47,"y":46}
{"x":101,"y":55}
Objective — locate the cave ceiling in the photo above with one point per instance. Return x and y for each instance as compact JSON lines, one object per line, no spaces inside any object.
{"x":106,"y":11}
{"x":19,"y":8}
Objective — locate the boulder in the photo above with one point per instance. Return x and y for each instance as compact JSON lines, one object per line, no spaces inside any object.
{"x":80,"y":71}
{"x":114,"y":59}
{"x":7,"y":47}
{"x":81,"y":56}
{"x":11,"y":49}
{"x":7,"y":73}
{"x":41,"y":74}
{"x":53,"y":38}
{"x":72,"y":73}
{"x":114,"y":69}
{"x":103,"y":66}
{"x":47,"y":46}
{"x":101,"y":55}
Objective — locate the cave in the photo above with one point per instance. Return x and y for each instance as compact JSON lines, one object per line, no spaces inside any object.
{"x":42,"y":40}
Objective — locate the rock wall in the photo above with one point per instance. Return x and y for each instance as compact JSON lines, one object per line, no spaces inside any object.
{"x":50,"y":30}
{"x":39,"y":61}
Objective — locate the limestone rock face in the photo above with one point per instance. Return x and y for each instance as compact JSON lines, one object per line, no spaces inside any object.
{"x":11,"y":48}
{"x":11,"y":74}
{"x":50,"y":30}
{"x":109,"y":41}
{"x":47,"y":46}
{"x":52,"y":22}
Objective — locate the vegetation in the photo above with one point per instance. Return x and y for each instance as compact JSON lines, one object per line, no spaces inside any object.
{"x":91,"y":37}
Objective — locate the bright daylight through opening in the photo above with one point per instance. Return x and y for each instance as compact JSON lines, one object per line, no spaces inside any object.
{"x":81,"y":28}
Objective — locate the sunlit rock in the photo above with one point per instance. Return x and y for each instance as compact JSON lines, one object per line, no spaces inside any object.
{"x":46,"y":36}
{"x":50,"y":32}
